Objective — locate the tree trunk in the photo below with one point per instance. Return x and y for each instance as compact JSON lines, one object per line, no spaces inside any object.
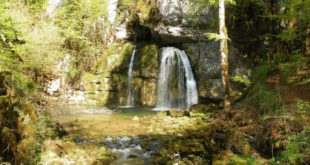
{"x":224,"y":56}
{"x":308,"y":42}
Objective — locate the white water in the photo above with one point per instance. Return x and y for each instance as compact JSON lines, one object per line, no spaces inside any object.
{"x":52,"y":4}
{"x":175,"y":65}
{"x":130,"y":97}
{"x":130,"y":150}
{"x":112,"y":10}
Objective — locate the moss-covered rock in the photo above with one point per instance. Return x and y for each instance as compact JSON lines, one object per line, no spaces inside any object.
{"x":203,"y":108}
{"x":178,"y":113}
{"x":104,"y":157}
{"x":144,"y":77}
{"x":228,"y":157}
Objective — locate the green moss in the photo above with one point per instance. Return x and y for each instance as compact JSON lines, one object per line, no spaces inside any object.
{"x":147,"y":61}
{"x":88,"y":82}
{"x":229,"y":158}
{"x":104,"y":157}
{"x":146,"y":8}
{"x":242,"y":80}
{"x":149,"y":54}
{"x":116,"y":55}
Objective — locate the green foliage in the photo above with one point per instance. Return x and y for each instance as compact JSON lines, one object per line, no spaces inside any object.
{"x":270,"y":100}
{"x":293,"y":36}
{"x":297,"y":151}
{"x":242,"y":80}
{"x":261,"y":72}
{"x":77,"y":19}
{"x":47,"y":128}
{"x":213,"y":36}
{"x":36,"y":7}
{"x":147,"y":10}
{"x":266,"y":99}
{"x":289,"y":70}
{"x":149,"y":54}
{"x":303,"y":107}
{"x":29,"y":49}
{"x":86,"y":30}
{"x":245,"y":160}
{"x":296,"y":13}
{"x":42,"y":46}
{"x":34,"y":43}
{"x":261,"y":95}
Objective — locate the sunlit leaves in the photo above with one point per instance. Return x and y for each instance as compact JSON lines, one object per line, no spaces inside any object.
{"x":215,"y":37}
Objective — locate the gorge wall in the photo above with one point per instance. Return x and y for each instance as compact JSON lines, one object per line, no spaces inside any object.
{"x":176,"y":23}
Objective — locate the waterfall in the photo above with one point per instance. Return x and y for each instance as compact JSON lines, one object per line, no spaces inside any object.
{"x":52,"y":4}
{"x":130,"y":97}
{"x":112,"y":10}
{"x":176,"y":84}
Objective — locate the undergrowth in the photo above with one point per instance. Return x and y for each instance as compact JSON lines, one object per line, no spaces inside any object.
{"x":297,"y":151}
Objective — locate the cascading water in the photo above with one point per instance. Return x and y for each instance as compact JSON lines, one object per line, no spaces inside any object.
{"x":176,"y":84}
{"x":52,"y":4}
{"x":112,"y":10}
{"x":131,"y":151}
{"x":130,"y":97}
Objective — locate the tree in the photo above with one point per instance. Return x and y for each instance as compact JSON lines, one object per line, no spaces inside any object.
{"x":224,"y":55}
{"x":222,"y":37}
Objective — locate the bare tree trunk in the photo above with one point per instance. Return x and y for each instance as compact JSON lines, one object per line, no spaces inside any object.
{"x":224,"y":56}
{"x":308,"y":42}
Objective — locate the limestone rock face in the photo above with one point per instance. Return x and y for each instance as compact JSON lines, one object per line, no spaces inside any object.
{"x":144,"y":81}
{"x":205,"y":58}
{"x":180,"y":21}
{"x":169,"y":34}
{"x":171,"y":11}
{"x":180,"y":24}
{"x":183,"y":24}
{"x":176,"y":12}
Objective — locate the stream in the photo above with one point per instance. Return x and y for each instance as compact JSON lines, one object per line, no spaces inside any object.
{"x":124,"y":132}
